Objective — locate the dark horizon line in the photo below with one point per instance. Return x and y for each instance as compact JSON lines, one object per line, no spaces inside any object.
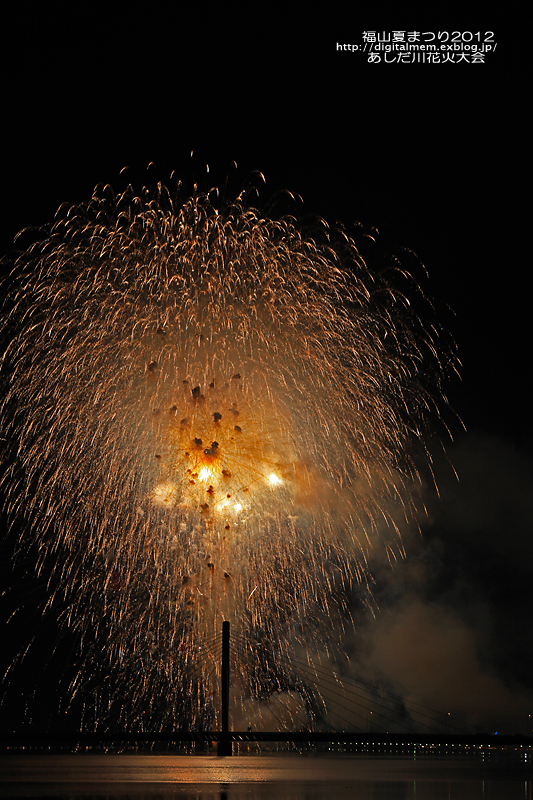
{"x":310,"y":737}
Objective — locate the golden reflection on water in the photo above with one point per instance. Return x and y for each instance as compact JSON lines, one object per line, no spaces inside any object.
{"x":262,"y":777}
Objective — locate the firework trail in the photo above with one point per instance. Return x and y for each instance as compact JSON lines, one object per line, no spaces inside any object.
{"x":211,"y":414}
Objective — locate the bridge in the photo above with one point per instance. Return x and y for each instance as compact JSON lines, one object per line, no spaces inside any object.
{"x":375,"y":709}
{"x":353,"y":742}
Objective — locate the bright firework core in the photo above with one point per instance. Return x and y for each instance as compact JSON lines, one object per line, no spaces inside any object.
{"x":217,"y":457}
{"x":213,"y":416}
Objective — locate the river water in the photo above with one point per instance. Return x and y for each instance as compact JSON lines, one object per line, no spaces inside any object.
{"x":283,"y":776}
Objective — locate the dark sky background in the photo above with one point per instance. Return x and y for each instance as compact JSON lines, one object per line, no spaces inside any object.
{"x":433,"y":155}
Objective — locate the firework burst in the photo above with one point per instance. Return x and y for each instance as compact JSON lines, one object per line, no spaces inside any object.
{"x":211,"y":413}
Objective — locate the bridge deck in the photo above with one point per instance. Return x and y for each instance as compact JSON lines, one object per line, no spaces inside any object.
{"x":310,"y":737}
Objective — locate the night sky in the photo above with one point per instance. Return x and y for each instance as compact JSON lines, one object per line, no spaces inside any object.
{"x":433,"y":156}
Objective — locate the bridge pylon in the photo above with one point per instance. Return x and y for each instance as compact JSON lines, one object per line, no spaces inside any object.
{"x":225,"y":746}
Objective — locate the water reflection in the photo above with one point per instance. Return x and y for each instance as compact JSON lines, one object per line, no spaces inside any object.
{"x":414,"y":790}
{"x":264,"y":777}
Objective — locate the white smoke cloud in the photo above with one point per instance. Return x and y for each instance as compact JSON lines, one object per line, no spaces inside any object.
{"x":451,"y":630}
